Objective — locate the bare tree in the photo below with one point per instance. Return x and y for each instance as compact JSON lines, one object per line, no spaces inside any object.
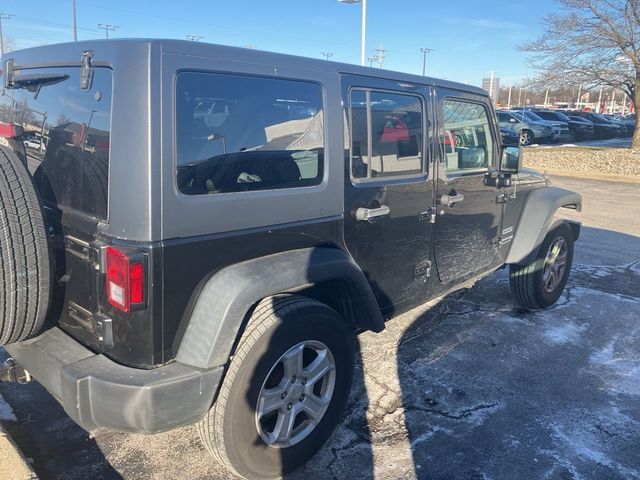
{"x":591,"y":43}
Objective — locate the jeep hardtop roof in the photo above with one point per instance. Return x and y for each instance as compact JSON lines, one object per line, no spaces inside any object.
{"x":65,"y":53}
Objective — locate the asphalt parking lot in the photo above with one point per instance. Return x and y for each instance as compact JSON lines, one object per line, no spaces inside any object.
{"x":468,"y":387}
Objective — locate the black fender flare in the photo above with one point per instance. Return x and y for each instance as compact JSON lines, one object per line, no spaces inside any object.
{"x":229,"y":294}
{"x":537,"y":219}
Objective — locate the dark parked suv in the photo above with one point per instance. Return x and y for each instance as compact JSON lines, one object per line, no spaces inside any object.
{"x":209,"y":226}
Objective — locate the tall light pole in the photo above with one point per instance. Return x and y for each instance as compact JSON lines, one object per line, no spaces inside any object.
{"x":509,"y":101}
{"x":3,"y":16}
{"x":107,"y":27}
{"x":424,"y":59}
{"x":75,"y":28}
{"x":327,"y":55}
{"x":363,"y":41}
{"x":194,"y":38}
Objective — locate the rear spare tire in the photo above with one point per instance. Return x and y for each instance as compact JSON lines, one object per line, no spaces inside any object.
{"x":24,"y":253}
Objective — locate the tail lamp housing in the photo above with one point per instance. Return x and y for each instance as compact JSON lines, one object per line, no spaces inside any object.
{"x":125,"y":279}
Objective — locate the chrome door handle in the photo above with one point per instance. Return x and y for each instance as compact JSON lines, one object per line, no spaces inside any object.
{"x":369,"y":214}
{"x":451,"y":200}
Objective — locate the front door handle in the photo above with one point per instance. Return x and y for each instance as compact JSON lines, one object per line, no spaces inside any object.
{"x":451,"y":200}
{"x":370,"y":214}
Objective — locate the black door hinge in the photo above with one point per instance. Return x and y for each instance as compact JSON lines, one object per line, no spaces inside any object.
{"x":429,"y":215}
{"x":423,"y":269}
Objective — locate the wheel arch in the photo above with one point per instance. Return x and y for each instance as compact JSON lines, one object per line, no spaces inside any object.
{"x":537,"y":218}
{"x":229,"y":296}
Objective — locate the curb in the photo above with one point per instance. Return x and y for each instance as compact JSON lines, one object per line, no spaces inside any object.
{"x":13,"y":464}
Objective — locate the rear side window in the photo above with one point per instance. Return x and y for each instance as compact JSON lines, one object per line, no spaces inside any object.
{"x":67,"y":135}
{"x":467,"y":139}
{"x":239,"y":133}
{"x":386,"y":135}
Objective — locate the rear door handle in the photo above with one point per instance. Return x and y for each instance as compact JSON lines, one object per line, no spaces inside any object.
{"x":451,"y":200}
{"x":370,"y":214}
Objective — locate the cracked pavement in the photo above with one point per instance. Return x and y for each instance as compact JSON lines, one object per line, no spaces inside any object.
{"x":471,"y":386}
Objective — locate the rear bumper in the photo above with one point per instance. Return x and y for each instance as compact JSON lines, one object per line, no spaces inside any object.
{"x":97,"y":392}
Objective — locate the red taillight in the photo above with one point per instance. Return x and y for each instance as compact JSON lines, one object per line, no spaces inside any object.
{"x":125,"y":280}
{"x":7,"y":130}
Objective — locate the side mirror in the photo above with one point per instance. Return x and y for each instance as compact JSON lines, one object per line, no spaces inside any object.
{"x":511,"y":160}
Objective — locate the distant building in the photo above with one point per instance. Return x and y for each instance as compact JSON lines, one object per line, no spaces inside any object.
{"x":491,"y":88}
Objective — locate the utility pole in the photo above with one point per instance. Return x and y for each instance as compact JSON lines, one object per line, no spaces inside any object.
{"x":546,"y":98}
{"x":509,"y":100}
{"x":380,"y":55}
{"x":75,"y":28}
{"x":598,"y":109}
{"x":519,"y":96}
{"x":491,"y":95}
{"x":327,"y":55}
{"x":107,"y":27}
{"x":424,"y":59}
{"x":371,"y":60}
{"x":579,"y":94}
{"x":194,"y":38}
{"x":3,"y":16}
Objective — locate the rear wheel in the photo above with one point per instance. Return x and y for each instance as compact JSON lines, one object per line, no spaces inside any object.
{"x":540,"y":283}
{"x":284,"y":391}
{"x":24,"y":253}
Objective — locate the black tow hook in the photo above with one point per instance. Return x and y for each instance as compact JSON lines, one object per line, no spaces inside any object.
{"x":10,"y":371}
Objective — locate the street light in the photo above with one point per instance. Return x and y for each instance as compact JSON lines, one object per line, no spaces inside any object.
{"x":364,"y":28}
{"x":424,"y":59}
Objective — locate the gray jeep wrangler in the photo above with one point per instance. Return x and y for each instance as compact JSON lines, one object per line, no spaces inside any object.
{"x":202,"y":230}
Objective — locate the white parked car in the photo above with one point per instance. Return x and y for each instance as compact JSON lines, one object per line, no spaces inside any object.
{"x":33,"y":143}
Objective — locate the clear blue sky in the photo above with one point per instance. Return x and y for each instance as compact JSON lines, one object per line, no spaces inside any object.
{"x":469,"y":37}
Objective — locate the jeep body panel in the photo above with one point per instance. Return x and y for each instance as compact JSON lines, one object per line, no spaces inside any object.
{"x":226,"y":298}
{"x":536,"y":218}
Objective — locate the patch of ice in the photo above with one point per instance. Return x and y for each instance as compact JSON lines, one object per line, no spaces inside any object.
{"x":6,"y":412}
{"x":564,"y":333}
{"x":586,"y":448}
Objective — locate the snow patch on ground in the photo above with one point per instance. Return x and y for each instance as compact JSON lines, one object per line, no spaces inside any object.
{"x":622,"y":371}
{"x":6,"y":412}
{"x":564,"y":333}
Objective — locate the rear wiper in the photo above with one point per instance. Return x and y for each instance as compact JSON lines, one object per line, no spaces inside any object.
{"x":34,"y":81}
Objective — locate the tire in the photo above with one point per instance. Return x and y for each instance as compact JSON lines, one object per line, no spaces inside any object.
{"x":232,"y":432}
{"x":530,"y":283}
{"x":24,"y":254}
{"x":526,"y":138}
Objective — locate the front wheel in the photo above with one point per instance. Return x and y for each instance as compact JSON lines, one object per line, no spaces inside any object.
{"x":284,"y":391}
{"x":540,"y":283}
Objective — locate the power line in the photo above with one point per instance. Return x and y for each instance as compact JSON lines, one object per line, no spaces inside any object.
{"x":107,"y":27}
{"x":379,"y":56}
{"x":424,"y":59}
{"x":327,"y":55}
{"x":194,"y":38}
{"x":3,"y":16}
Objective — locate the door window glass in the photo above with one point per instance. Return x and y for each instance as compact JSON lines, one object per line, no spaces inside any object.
{"x":386,"y":135}
{"x":238,"y":133}
{"x":467,"y":140}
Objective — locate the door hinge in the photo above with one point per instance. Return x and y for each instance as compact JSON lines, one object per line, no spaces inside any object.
{"x":86,"y":70}
{"x":505,"y":197}
{"x":429,"y":215}
{"x":423,"y":269}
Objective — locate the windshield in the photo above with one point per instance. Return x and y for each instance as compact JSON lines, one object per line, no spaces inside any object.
{"x":68,"y":132}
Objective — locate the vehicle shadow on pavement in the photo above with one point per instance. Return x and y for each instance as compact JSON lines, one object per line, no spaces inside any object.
{"x":58,"y":446}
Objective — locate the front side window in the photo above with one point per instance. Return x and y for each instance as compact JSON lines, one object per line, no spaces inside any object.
{"x":467,"y":141}
{"x":239,"y":133}
{"x":386,"y":135}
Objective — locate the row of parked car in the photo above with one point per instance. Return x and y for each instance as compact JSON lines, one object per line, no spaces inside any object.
{"x":526,"y":126}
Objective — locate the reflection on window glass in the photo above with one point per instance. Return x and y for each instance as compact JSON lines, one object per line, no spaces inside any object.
{"x":466,"y":139}
{"x":238,"y":133}
{"x":391,"y":124}
{"x":67,"y":133}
